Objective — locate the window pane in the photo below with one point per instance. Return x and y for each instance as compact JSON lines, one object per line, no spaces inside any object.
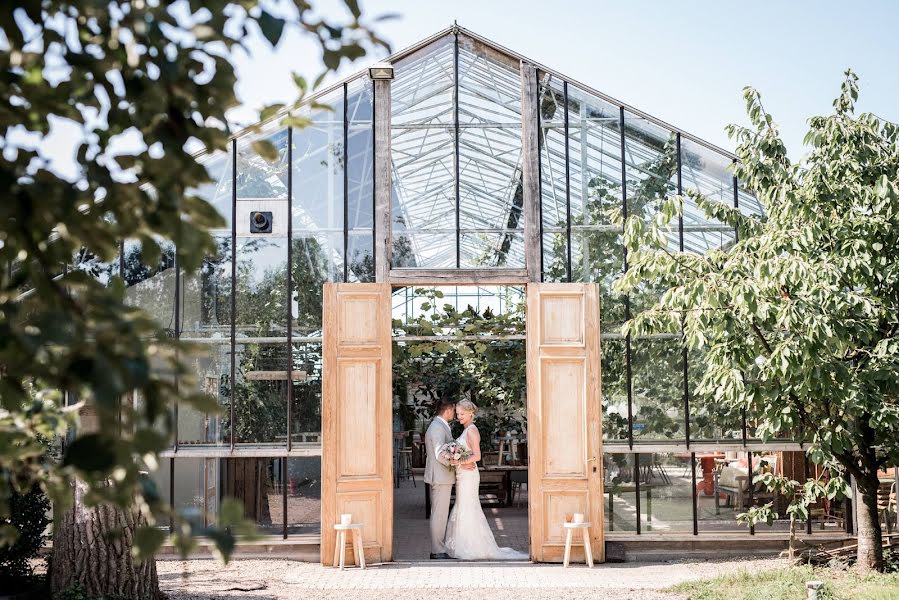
{"x":710,"y":419}
{"x":553,"y":199}
{"x":658,"y":394}
{"x":196,"y":489}
{"x":361,"y":257}
{"x":710,"y":174}
{"x":206,"y":295}
{"x":787,"y":464}
{"x":318,"y":170}
{"x":360,"y":160}
{"x":151,"y":287}
{"x":423,"y":154}
{"x":490,"y":185}
{"x":261,"y":286}
{"x":651,"y":172}
{"x":620,"y":503}
{"x":304,"y":494}
{"x":594,"y":148}
{"x":257,"y":483}
{"x":597,"y":255}
{"x":209,"y":366}
{"x":260,"y":405}
{"x":650,"y":154}
{"x":666,"y":487}
{"x":723,"y":490}
{"x":317,"y":259}
{"x":307,"y":395}
{"x":257,"y":178}
{"x":218,"y":192}
{"x":614,"y":390}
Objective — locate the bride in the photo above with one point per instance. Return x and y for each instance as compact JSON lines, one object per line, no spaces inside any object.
{"x":468,"y":535}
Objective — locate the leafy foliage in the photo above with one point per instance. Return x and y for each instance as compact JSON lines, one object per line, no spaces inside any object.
{"x":27,"y":523}
{"x":489,"y":372}
{"x":145,"y":84}
{"x":798,"y":319}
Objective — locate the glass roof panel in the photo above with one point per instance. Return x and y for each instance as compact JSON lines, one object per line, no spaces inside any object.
{"x":710,"y":174}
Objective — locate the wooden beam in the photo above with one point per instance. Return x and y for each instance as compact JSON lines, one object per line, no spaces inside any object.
{"x":274,"y":375}
{"x":530,"y":171}
{"x":458,"y":276}
{"x":383,"y":185}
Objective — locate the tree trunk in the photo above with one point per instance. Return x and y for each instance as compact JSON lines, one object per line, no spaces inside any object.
{"x":870,"y":544}
{"x":92,"y":547}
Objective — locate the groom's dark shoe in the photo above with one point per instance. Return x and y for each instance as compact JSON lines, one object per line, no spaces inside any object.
{"x":441,"y":556}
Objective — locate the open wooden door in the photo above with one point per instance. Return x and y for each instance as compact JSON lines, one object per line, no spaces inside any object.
{"x":564,"y":416}
{"x":357,"y":465}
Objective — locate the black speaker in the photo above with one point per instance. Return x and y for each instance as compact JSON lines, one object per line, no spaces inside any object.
{"x":260,"y":222}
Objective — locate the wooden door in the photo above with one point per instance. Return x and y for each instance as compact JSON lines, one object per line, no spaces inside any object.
{"x":357,"y":466}
{"x":564,"y":416}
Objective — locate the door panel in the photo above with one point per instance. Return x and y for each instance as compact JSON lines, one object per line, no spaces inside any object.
{"x":357,"y":462}
{"x":564,"y":416}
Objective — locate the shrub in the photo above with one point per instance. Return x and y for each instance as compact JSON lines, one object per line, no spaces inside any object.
{"x":28,"y":516}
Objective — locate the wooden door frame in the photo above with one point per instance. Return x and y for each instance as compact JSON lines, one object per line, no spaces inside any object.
{"x":387,"y":527}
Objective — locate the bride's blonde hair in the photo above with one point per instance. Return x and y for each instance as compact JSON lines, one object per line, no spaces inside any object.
{"x":468,"y":406}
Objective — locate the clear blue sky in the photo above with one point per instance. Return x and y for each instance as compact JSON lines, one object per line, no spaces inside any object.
{"x":685,"y":61}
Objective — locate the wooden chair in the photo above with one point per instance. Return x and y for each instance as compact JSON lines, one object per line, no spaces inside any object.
{"x":406,"y":464}
{"x":733,"y":484}
{"x":519,"y":480}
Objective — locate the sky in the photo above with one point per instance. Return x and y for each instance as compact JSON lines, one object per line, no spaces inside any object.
{"x":685,"y":62}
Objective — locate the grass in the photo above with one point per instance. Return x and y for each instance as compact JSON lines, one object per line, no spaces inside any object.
{"x":789,"y":584}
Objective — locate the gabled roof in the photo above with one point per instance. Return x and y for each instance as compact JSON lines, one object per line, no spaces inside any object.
{"x":511,"y":54}
{"x":456,"y":160}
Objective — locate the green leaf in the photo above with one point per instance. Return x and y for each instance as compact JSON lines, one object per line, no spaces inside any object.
{"x":270,"y":111}
{"x":91,"y":453}
{"x":147,"y":541}
{"x":266,"y":150}
{"x":272,"y":27}
{"x":300,"y":82}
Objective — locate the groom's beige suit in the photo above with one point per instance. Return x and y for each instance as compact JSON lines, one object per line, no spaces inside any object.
{"x":441,"y":477}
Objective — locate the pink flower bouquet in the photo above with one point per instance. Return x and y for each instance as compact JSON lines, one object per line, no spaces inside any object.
{"x":454,"y":451}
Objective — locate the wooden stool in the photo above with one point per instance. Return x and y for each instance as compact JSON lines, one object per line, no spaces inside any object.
{"x":340,"y":544}
{"x":585,"y":534}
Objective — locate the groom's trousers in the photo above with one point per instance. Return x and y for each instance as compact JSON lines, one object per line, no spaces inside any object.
{"x":440,"y":501}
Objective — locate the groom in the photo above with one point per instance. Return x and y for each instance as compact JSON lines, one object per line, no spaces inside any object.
{"x":439,"y":475}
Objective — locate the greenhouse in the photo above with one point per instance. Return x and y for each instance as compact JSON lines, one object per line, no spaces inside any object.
{"x":456,"y":201}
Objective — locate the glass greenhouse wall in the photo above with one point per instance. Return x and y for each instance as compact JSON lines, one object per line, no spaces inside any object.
{"x":255,"y":307}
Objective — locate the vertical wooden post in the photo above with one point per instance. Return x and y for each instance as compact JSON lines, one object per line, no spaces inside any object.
{"x":383,"y":185}
{"x":530,"y":171}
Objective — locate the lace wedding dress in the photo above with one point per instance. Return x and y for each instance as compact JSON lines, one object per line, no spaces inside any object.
{"x":468,"y":535}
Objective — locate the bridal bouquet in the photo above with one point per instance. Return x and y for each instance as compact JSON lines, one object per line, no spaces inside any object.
{"x":454,"y":451}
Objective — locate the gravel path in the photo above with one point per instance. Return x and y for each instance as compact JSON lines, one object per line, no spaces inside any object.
{"x":276,"y":579}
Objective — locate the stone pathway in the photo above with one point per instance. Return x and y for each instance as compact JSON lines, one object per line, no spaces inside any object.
{"x":273,"y":579}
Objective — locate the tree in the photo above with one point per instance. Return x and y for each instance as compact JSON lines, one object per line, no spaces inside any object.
{"x":145,"y":84}
{"x":798,"y":319}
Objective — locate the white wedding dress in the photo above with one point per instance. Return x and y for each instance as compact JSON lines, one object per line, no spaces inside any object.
{"x":468,"y":535}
